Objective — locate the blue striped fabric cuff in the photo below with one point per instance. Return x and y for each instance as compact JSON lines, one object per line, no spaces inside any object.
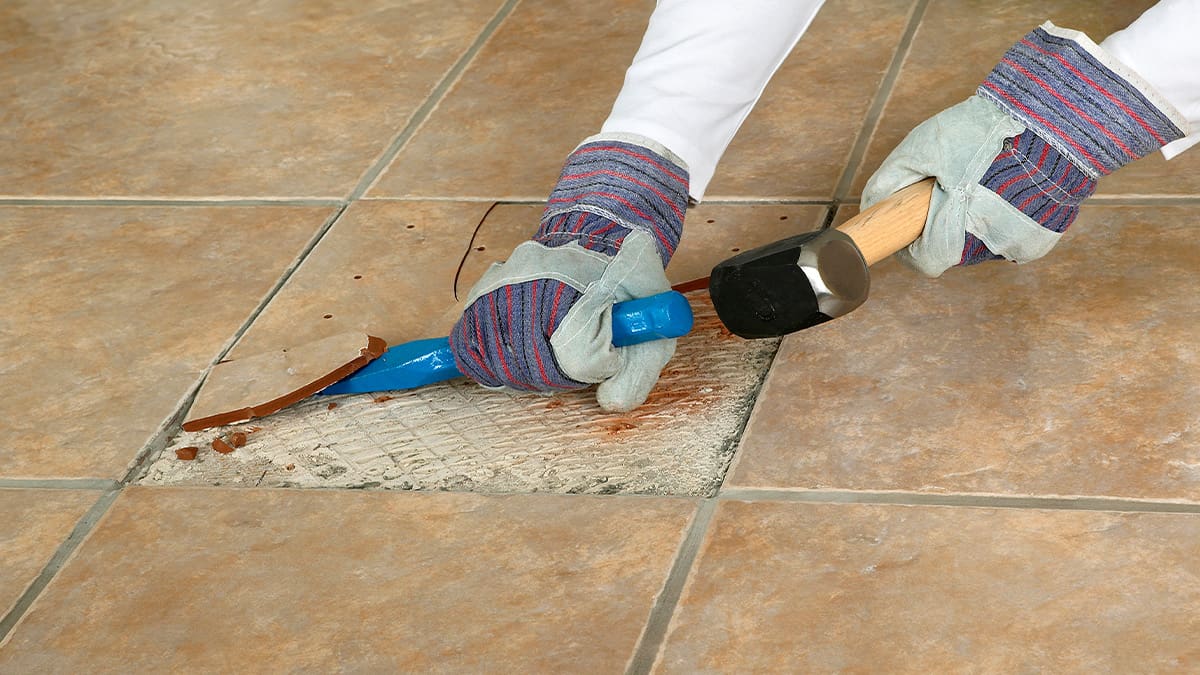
{"x":608,"y":188}
{"x":1088,"y":105}
{"x":1038,"y":181}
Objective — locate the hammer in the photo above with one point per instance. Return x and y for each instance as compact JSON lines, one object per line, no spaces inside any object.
{"x":802,"y":281}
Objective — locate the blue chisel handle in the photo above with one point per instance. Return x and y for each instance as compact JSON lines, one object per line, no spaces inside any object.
{"x":415,"y":364}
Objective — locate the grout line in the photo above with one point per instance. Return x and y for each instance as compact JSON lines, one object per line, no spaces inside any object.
{"x":655,"y":631}
{"x":733,"y":444}
{"x":858,"y":151}
{"x":58,"y":484}
{"x":431,"y":102}
{"x":128,"y":201}
{"x":830,"y":216}
{"x":159,"y":440}
{"x":960,"y":500}
{"x":82,"y":528}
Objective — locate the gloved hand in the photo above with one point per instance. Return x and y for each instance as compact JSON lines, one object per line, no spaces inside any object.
{"x":542,"y":320}
{"x":1014,"y":162}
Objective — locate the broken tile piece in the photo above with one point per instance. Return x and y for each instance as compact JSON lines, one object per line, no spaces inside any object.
{"x":221,"y":446}
{"x":242,"y":389}
{"x":187,"y":454}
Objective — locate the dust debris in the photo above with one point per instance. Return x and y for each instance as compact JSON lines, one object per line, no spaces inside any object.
{"x":618,"y":427}
{"x":382,"y":399}
{"x":332,"y":405}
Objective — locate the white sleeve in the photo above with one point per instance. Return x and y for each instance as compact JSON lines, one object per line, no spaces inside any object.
{"x":700,"y":69}
{"x":1163,"y":46}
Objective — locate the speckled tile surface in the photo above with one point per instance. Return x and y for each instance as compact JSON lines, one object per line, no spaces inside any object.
{"x":996,"y":471}
{"x":490,"y":138}
{"x":385,"y":268}
{"x":796,"y":142}
{"x":154,"y":98}
{"x":32,"y":525}
{"x":109,"y":315}
{"x":1077,"y":374}
{"x":282,"y":580}
{"x":856,"y":588}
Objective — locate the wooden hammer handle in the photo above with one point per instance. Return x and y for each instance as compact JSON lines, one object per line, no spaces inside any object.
{"x":891,"y":224}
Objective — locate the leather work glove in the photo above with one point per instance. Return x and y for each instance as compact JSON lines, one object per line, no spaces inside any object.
{"x":1014,"y":161}
{"x":542,"y":320}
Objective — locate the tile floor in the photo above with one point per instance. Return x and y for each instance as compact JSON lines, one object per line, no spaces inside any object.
{"x":997,"y":471}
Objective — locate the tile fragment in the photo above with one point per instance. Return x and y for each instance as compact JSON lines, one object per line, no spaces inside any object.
{"x":255,"y":386}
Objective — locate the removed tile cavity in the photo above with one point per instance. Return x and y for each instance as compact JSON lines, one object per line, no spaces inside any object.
{"x":255,"y":386}
{"x":459,"y":436}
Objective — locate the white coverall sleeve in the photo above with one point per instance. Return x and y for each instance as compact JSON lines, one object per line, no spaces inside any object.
{"x":700,"y":69}
{"x":1163,"y":46}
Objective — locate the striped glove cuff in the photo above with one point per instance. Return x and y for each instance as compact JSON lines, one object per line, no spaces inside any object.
{"x":1083,"y":102}
{"x":609,"y":188}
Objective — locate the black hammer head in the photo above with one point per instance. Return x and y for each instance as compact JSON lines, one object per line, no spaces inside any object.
{"x":790,"y":285}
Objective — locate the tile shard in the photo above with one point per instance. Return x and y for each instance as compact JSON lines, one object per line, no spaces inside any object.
{"x":256,"y":386}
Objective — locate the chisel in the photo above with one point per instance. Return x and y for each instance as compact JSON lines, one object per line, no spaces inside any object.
{"x":422,"y":362}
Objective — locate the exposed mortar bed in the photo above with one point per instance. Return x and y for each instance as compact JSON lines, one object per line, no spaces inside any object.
{"x":459,"y":436}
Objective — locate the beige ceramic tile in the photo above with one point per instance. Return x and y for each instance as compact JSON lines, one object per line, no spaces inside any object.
{"x":208,"y":580}
{"x":536,"y":91}
{"x":237,"y":97}
{"x":1073,"y":375}
{"x":109,"y":315}
{"x":712,"y":233}
{"x":32,"y":525}
{"x":895,"y":589}
{"x":796,"y":142}
{"x":977,"y":34}
{"x":1154,"y":176}
{"x":544,"y":82}
{"x":386,"y":268}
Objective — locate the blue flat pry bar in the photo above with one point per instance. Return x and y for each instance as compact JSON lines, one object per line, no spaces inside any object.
{"x":421,"y":362}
